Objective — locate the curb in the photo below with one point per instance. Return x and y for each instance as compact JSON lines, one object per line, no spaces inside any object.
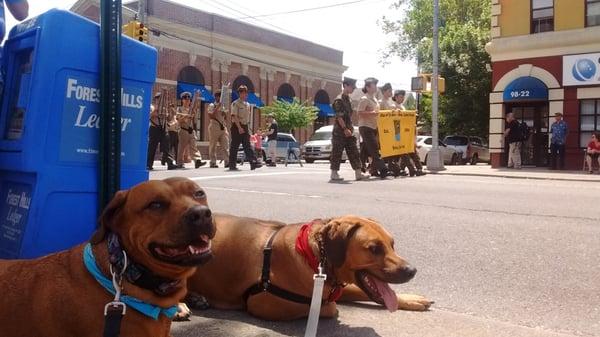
{"x":511,"y":176}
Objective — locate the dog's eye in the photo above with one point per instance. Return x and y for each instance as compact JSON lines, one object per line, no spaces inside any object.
{"x":156,"y":205}
{"x":376,"y":249}
{"x":199,"y":194}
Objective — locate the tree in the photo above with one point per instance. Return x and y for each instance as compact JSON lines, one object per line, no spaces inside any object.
{"x":410,"y":102}
{"x":292,"y":115}
{"x":464,"y":31}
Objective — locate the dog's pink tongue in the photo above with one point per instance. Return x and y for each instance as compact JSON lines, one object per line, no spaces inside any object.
{"x":389,"y":296}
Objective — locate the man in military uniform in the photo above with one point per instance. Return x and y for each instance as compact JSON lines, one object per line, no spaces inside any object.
{"x":187,"y":141}
{"x":405,"y":159}
{"x":343,"y":133}
{"x":240,"y":117}
{"x":217,"y":132}
{"x":158,"y":134}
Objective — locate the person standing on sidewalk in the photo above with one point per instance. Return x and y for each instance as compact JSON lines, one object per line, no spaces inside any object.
{"x":271,"y":140}
{"x":343,"y":133}
{"x":368,"y":112}
{"x":240,"y":117}
{"x":512,"y":134}
{"x":217,"y":132}
{"x":559,"y":132}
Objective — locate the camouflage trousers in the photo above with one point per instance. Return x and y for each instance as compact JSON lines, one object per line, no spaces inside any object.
{"x":338,"y":144}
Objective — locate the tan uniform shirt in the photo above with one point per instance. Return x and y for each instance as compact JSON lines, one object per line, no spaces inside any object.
{"x":217,"y":113}
{"x":368,"y":102}
{"x":241,"y":109}
{"x":387,"y":104}
{"x":184,"y":117}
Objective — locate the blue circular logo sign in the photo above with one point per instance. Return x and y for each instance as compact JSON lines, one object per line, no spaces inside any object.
{"x":584,"y":70}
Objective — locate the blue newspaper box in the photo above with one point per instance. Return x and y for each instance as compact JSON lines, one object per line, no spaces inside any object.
{"x":49,"y":131}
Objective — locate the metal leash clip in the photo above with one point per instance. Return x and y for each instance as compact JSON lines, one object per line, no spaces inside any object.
{"x":117,"y":280}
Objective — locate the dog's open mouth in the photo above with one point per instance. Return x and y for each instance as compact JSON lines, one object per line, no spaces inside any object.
{"x":194,"y":253}
{"x":378,"y":290}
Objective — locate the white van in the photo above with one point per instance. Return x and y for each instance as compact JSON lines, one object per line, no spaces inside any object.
{"x":319,"y":145}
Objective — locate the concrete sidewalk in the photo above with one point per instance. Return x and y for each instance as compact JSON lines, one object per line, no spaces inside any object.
{"x":524,"y":173}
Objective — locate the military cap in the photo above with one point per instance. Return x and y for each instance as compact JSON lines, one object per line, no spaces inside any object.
{"x":386,"y":86}
{"x":371,"y":80}
{"x":399,"y":93}
{"x":349,"y":81}
{"x":242,"y":88}
{"x":185,"y":93}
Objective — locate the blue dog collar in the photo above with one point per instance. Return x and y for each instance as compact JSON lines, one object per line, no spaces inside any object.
{"x":149,"y":310}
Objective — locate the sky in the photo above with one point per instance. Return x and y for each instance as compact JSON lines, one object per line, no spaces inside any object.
{"x":352,"y":28}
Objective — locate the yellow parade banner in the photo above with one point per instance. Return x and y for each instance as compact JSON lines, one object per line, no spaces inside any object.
{"x":397,"y":131}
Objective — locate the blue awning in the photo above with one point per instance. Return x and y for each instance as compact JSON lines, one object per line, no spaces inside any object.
{"x":207,"y":96}
{"x":325,"y":110}
{"x":285,"y":98}
{"x":525,"y":88}
{"x":252,"y":99}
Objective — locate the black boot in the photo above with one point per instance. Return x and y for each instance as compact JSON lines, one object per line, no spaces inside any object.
{"x":199,"y":163}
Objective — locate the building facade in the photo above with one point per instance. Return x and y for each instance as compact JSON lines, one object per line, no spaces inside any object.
{"x":197,"y":49}
{"x":545,"y":59}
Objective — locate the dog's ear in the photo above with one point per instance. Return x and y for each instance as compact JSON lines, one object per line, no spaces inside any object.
{"x":108,"y":215}
{"x":336,"y":235}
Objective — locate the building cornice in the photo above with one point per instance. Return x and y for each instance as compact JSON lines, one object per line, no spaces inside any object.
{"x":568,"y":42}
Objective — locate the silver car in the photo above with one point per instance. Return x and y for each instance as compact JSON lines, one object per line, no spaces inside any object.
{"x":318,"y":147}
{"x":473,"y":149}
{"x":450,"y":155}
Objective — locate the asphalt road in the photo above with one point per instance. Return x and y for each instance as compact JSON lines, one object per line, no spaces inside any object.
{"x":501,"y":257}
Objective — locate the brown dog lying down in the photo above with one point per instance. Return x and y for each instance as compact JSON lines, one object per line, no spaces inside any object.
{"x":357,"y":254}
{"x":164,"y":227}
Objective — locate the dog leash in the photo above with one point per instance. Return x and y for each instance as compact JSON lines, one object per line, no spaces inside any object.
{"x":315,"y":304}
{"x":115,"y":310}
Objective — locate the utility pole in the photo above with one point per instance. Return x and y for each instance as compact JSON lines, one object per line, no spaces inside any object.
{"x":110,"y":101}
{"x":142,"y":11}
{"x":434,"y":157}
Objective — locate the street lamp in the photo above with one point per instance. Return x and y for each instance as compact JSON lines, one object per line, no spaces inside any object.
{"x":434,"y":157}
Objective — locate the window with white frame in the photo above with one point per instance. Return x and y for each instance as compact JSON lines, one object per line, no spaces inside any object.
{"x":592,"y":13}
{"x":589,"y":120}
{"x":542,"y":16}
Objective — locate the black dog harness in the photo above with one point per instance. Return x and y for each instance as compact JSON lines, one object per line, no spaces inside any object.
{"x":265,"y":280}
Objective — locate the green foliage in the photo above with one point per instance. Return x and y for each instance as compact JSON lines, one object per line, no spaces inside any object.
{"x":290,"y":116}
{"x":410,"y":103}
{"x":464,"y":31}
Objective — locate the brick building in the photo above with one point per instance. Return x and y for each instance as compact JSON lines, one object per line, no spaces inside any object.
{"x":545,"y":59}
{"x":197,"y":49}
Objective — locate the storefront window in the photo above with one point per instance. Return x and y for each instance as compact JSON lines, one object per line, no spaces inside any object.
{"x":542,"y":16}
{"x":589,"y":120}
{"x":592,"y":11}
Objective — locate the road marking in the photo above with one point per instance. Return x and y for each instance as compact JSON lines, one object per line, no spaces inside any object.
{"x":264,"y":192}
{"x":245,"y":175}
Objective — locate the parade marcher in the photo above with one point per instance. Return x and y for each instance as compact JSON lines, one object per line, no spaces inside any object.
{"x":387,"y":103}
{"x":368,"y":112}
{"x":217,"y":132}
{"x":172,"y":127}
{"x":187,"y":141}
{"x":343,"y":133}
{"x":414,"y":167}
{"x":558,"y":140}
{"x":158,"y":133}
{"x":272,"y":140}
{"x":240,"y":118}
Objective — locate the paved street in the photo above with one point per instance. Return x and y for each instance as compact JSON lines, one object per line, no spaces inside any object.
{"x":501,"y":257}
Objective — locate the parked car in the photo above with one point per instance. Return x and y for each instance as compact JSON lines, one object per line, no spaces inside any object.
{"x":473,"y":149}
{"x":318,"y":147}
{"x":450,"y":155}
{"x":285,"y":141}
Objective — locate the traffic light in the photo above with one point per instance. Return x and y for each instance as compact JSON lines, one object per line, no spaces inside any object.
{"x":140,"y":32}
{"x":128,"y":29}
{"x":422,"y":83}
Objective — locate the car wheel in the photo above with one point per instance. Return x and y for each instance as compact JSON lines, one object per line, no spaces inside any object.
{"x":309,"y":161}
{"x":453,"y":160}
{"x":474,"y":159}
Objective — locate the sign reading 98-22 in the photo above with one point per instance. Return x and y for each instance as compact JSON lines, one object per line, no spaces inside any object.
{"x":520,"y":94}
{"x":80,"y":129}
{"x":583,"y":69}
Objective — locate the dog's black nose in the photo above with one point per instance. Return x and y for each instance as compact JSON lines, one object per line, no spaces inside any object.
{"x":409,"y":271}
{"x":198,"y":215}
{"x":404,"y":274}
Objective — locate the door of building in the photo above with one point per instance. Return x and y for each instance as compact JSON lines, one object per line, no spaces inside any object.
{"x":534,"y":151}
